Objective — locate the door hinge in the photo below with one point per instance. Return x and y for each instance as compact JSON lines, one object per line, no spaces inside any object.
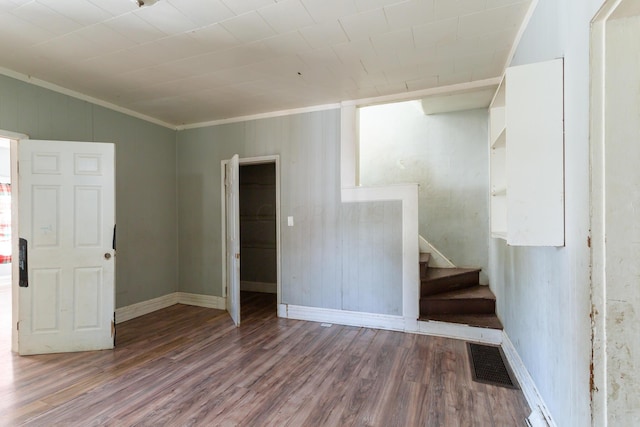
{"x":17,"y":326}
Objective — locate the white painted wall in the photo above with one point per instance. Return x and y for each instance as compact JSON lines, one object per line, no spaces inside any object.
{"x":343,"y":256}
{"x":543,"y":292}
{"x":446,"y":154}
{"x":621,"y":226}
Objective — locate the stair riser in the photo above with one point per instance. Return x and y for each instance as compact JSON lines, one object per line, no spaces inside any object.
{"x":457,"y":306}
{"x":423,"y":270}
{"x":446,"y":284}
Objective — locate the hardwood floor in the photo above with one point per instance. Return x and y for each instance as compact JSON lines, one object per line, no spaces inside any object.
{"x":190,"y":366}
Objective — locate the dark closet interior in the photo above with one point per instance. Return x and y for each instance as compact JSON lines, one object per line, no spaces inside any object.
{"x":258,"y":246}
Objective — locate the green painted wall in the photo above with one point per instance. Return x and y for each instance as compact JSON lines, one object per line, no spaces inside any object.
{"x":339,"y":256}
{"x":145,"y":179}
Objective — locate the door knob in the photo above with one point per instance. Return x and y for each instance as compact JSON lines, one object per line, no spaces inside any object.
{"x":107,"y":256}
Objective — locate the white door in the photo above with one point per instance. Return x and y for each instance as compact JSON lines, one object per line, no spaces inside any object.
{"x":67,"y":217}
{"x":232,"y":203}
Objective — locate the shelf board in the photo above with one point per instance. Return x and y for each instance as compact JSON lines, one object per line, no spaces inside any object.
{"x":501,"y":139}
{"x":256,"y":185}
{"x":257,"y":246}
{"x":251,"y":218}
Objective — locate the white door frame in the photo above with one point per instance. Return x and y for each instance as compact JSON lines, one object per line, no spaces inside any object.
{"x":223,"y":201}
{"x":598,"y":126}
{"x":15,"y":290}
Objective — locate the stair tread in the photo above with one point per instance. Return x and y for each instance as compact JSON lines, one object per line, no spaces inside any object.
{"x":425,"y":257}
{"x":473,"y":292}
{"x":439,"y":272}
{"x":479,"y":320}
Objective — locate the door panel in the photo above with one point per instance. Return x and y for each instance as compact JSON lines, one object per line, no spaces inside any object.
{"x":67,"y":215}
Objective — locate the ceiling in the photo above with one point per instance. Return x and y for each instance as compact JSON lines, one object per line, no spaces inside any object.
{"x":191,"y":61}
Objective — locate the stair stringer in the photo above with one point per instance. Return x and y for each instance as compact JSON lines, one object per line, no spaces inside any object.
{"x":437,"y":258}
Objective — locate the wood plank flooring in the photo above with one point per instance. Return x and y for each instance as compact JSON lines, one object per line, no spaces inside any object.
{"x":189,"y":366}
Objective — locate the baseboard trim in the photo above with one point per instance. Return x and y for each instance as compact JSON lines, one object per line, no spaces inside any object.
{"x":390,"y":322}
{"x":460,"y":332}
{"x":270,"y":288}
{"x":209,"y":301}
{"x":342,"y":317}
{"x":145,"y":307}
{"x":540,"y":415}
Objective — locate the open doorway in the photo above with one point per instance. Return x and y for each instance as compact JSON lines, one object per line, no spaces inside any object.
{"x":258,"y":235}
{"x":5,"y":245}
{"x":252,"y":248}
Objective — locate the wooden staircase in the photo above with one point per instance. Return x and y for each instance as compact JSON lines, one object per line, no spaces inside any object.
{"x":455,"y":295}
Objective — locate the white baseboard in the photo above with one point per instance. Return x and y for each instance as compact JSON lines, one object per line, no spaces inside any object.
{"x":145,"y":307}
{"x":540,"y":415}
{"x":209,"y":301}
{"x":390,"y":322}
{"x":270,"y":288}
{"x":342,"y":317}
{"x":460,"y":332}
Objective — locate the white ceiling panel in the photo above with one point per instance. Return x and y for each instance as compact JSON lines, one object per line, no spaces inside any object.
{"x":499,"y":3}
{"x":366,"y":5}
{"x":134,"y":28}
{"x":364,"y":25}
{"x":288,"y":43}
{"x":248,"y":27}
{"x":488,"y":21}
{"x":82,"y":12}
{"x":115,"y":8}
{"x":326,"y":56}
{"x":7,"y":5}
{"x":185,"y":61}
{"x":211,"y":12}
{"x":423,"y":83}
{"x":436,"y":68}
{"x":15,"y":32}
{"x":355,"y":51}
{"x":115,"y":63}
{"x":329,"y":10}
{"x":324,"y":34}
{"x":242,"y":6}
{"x":178,"y":47}
{"x":453,"y":8}
{"x":45,"y":18}
{"x":166,"y":18}
{"x":215,"y":36}
{"x":452,"y":79}
{"x":404,"y":74}
{"x":103,"y":38}
{"x":286,"y":15}
{"x":390,"y":41}
{"x":409,"y":14}
{"x":437,"y":32}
